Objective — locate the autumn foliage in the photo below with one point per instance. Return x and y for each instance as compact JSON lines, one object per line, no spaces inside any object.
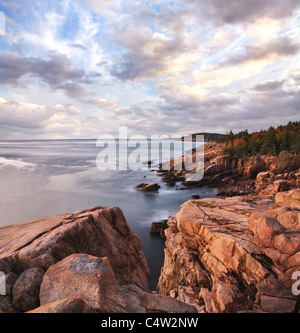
{"x":264,"y":142}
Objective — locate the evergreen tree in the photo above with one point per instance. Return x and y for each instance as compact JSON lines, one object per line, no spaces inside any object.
{"x":284,"y":141}
{"x":295,"y":140}
{"x":270,"y":142}
{"x":269,"y":146}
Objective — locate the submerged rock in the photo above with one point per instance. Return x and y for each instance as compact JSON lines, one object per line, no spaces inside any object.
{"x":153,"y":187}
{"x":159,"y":228}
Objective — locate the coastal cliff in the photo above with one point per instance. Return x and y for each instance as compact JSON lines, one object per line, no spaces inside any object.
{"x":86,"y":261}
{"x":235,"y":254}
{"x":239,"y":253}
{"x":237,"y":176}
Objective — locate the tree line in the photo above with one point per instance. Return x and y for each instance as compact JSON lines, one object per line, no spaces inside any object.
{"x":264,"y":142}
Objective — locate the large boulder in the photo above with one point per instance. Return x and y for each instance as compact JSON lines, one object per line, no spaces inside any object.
{"x":287,"y":162}
{"x":25,"y":291}
{"x":92,"y":279}
{"x":102,"y":232}
{"x":95,"y":289}
{"x":41,"y":243}
{"x":277,"y":232}
{"x":290,"y":199}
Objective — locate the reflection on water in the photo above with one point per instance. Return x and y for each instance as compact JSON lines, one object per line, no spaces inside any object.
{"x":49,"y":177}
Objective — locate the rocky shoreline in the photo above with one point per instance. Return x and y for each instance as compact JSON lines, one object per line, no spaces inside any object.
{"x":235,"y":254}
{"x":238,"y":177}
{"x":87,"y":261}
{"x":239,"y":253}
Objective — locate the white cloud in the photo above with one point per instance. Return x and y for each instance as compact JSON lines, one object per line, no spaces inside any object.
{"x":103,"y":103}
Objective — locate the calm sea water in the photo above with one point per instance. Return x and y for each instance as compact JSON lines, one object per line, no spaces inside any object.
{"x":49,"y":177}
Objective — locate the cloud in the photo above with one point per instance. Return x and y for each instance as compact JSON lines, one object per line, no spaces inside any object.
{"x":279,"y":47}
{"x":148,"y":54}
{"x":78,"y":46}
{"x":156,"y":66}
{"x":234,"y":12}
{"x":103,"y":103}
{"x":105,"y":7}
{"x":154,"y":44}
{"x":56,"y":71}
{"x":151,"y":43}
{"x":16,"y":116}
{"x":259,"y":106}
{"x":268,"y":86}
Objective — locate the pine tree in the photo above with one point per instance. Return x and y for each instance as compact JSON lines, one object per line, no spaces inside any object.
{"x":269,"y":146}
{"x":295,"y":140}
{"x":284,"y":141}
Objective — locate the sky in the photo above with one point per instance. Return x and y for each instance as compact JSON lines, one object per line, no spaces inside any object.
{"x":81,"y":69}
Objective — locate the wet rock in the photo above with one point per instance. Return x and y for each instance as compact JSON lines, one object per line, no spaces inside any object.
{"x":153,"y":187}
{"x":159,"y":228}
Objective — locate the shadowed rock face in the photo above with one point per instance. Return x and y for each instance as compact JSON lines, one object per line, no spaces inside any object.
{"x":234,"y":254}
{"x":25,"y":291}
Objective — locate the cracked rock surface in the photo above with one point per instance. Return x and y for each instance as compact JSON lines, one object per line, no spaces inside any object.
{"x":234,"y":254}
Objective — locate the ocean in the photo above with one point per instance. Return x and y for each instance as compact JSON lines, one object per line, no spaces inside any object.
{"x":47,"y":177}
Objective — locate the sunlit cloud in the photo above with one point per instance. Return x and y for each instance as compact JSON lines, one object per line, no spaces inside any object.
{"x":79,"y":68}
